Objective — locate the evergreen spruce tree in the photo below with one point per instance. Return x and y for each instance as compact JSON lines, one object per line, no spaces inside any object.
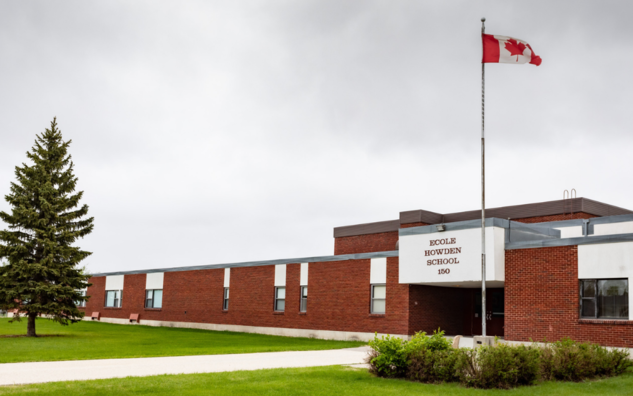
{"x":41,"y":275}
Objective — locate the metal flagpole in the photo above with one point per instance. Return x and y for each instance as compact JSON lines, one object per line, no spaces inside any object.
{"x":483,"y":193}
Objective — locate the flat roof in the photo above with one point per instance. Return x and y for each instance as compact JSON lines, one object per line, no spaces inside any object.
{"x":316,"y":259}
{"x":548,"y":208}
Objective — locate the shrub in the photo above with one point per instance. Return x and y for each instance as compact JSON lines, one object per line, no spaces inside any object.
{"x":391,"y":356}
{"x":502,"y":366}
{"x":436,"y":342}
{"x":568,"y":360}
{"x":432,"y":366}
{"x":432,"y":359}
{"x":387,"y":357}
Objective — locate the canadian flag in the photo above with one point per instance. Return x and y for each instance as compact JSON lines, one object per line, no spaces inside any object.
{"x":502,"y":49}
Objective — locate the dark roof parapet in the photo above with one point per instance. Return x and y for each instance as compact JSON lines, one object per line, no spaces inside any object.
{"x":539,"y":209}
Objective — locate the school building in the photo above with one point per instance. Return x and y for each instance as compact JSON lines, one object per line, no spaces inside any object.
{"x":554,"y":269}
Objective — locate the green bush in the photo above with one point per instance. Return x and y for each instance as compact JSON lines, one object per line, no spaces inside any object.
{"x":387,"y":357}
{"x":502,"y":366}
{"x":432,"y":359}
{"x":436,"y":342}
{"x":391,"y":356}
{"x":432,"y":366}
{"x":568,"y":360}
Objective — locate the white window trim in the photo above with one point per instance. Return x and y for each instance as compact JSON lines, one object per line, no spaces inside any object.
{"x":277,"y":299}
{"x":301,"y":299}
{"x":120,"y":300}
{"x":153,"y":299}
{"x":225,"y":299}
{"x":371,"y":308}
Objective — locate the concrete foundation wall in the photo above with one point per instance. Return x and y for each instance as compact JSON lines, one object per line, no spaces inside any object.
{"x":277,"y":331}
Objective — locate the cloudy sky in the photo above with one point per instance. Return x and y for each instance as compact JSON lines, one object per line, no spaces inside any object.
{"x":221,"y":131}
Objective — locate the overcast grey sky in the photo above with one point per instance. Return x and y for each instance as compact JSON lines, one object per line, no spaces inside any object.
{"x":210,"y":132}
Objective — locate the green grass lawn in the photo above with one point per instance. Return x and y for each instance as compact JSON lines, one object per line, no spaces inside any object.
{"x":333,"y":380}
{"x":94,"y":340}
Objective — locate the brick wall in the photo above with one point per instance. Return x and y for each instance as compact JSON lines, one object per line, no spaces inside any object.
{"x":542,"y":300}
{"x":338,"y":298}
{"x":409,"y":225}
{"x":431,"y":307}
{"x":381,"y":242}
{"x":558,"y":217}
{"x":96,"y":302}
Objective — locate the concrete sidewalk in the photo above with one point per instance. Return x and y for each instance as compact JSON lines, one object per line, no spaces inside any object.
{"x":79,"y":370}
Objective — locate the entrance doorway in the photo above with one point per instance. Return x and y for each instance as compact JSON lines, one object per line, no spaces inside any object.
{"x":495,"y":310}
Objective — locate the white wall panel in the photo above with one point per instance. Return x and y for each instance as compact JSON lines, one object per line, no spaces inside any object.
{"x":154,"y":281}
{"x":608,"y":260}
{"x":227,"y":277}
{"x":570,"y":232}
{"x":114,"y":282}
{"x":280,"y":275}
{"x":304,"y":275}
{"x":378,"y":271}
{"x":626,"y":227}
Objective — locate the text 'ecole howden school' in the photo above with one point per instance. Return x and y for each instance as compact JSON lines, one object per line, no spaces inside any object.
{"x":554,"y":269}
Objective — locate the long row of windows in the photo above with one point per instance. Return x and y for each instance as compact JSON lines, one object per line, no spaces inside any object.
{"x":599,"y":299}
{"x":154,"y":299}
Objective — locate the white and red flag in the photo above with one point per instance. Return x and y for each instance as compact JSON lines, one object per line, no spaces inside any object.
{"x":503,"y":49}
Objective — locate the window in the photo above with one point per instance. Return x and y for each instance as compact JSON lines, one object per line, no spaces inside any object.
{"x":81,"y":303}
{"x":304,"y":299}
{"x":225,"y":305}
{"x":604,"y":298}
{"x":378,"y":295}
{"x":280,"y":299}
{"x":154,"y":298}
{"x":113,"y":298}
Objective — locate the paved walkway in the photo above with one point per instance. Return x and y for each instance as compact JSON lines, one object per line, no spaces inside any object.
{"x":78,"y":370}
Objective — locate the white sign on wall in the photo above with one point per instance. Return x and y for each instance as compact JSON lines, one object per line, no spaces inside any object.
{"x":452,"y":258}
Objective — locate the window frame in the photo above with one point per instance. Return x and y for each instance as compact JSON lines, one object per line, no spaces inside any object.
{"x":153,"y":299}
{"x":277,"y":299}
{"x":595,"y":298}
{"x":373,"y":299}
{"x":225,"y":300}
{"x":303,"y":300}
{"x":81,"y":303}
{"x":118,"y":301}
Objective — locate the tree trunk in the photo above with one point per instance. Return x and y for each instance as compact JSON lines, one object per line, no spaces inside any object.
{"x":30,"y":328}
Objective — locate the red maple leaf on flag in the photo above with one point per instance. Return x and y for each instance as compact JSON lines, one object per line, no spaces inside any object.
{"x":515,"y":48}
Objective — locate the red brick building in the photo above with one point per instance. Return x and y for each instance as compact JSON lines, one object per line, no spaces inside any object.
{"x":554,"y":269}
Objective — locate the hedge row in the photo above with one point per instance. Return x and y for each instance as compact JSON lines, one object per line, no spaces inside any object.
{"x":431,"y":359}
